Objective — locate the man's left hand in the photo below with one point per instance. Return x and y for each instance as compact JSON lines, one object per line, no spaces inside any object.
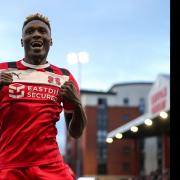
{"x":69,"y":93}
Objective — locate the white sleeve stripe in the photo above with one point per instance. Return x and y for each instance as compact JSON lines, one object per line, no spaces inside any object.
{"x":1,"y":70}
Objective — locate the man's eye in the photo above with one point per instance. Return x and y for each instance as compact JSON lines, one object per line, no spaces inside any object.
{"x":43,"y":31}
{"x":29,"y":31}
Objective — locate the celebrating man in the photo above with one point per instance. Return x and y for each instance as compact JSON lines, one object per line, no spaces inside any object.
{"x":33,"y":93}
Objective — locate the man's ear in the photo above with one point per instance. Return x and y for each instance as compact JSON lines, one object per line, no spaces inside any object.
{"x":22,"y":43}
{"x":51,"y":43}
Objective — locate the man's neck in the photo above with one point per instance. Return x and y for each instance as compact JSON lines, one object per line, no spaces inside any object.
{"x":34,"y":66}
{"x":35,"y":61}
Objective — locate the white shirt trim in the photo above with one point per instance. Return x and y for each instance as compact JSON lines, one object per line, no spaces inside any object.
{"x":35,"y":66}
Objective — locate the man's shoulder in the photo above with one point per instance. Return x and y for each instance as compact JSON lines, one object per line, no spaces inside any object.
{"x":59,"y":70}
{"x":3,"y":65}
{"x":8,"y":64}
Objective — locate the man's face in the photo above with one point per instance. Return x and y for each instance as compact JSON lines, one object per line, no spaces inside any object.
{"x":36,"y":40}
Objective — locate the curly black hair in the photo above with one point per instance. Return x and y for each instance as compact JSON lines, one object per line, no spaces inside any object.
{"x":37,"y":16}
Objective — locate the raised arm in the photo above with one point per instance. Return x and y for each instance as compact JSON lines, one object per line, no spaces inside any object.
{"x":76,"y":120}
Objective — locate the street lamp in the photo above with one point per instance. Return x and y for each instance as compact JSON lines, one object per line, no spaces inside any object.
{"x":78,"y":58}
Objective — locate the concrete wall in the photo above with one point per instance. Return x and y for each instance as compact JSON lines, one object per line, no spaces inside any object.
{"x":131,"y":91}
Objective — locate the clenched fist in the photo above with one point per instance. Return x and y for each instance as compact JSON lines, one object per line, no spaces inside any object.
{"x":69,"y":93}
{"x":5,"y":79}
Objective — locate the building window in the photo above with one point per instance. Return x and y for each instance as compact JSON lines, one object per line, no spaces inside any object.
{"x":102,"y":169}
{"x":159,"y":143}
{"x":102,"y":119}
{"x":102,"y":103}
{"x":142,"y":156}
{"x":126,"y":167}
{"x":125,"y":117}
{"x":142,"y":105}
{"x":159,"y":163}
{"x":101,"y":136}
{"x":141,"y":144}
{"x":126,"y":151}
{"x":126,"y":101}
{"x":141,"y":163}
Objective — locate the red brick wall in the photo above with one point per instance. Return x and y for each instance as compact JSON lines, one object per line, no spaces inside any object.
{"x":122,"y":154}
{"x":115,"y":150}
{"x":116,"y":113}
{"x":89,"y":165}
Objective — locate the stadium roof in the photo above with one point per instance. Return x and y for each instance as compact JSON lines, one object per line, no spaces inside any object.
{"x":158,"y":104}
{"x":158,"y":127}
{"x":97,"y":92}
{"x":130,"y":84}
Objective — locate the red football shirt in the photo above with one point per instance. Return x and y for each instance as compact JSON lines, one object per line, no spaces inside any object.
{"x":29,"y":110}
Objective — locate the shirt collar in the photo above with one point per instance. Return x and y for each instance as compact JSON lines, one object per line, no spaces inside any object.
{"x":42,"y":66}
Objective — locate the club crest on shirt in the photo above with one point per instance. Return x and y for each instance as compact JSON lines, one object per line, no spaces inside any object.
{"x":38,"y":77}
{"x":36,"y":85}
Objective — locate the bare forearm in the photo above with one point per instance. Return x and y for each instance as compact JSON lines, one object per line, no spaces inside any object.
{"x":75,"y":121}
{"x":78,"y":122}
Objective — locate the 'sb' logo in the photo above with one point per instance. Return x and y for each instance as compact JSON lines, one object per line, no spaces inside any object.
{"x":16,"y":90}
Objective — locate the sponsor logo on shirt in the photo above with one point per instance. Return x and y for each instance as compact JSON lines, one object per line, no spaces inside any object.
{"x":43,"y":92}
{"x":16,"y":90}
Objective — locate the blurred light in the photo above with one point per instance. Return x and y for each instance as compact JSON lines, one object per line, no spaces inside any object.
{"x":148,"y":122}
{"x":119,"y":136}
{"x":72,"y":58}
{"x":86,"y":178}
{"x":134,"y":129}
{"x":109,"y":140}
{"x":163,"y":114}
{"x":83,"y":57}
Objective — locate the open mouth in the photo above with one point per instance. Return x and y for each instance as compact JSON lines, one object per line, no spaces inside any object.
{"x":36,"y":44}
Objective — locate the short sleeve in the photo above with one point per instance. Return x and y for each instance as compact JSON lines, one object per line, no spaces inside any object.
{"x":3,"y":67}
{"x":68,"y":107}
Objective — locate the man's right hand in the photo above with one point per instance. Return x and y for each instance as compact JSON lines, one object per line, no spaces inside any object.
{"x":5,"y":79}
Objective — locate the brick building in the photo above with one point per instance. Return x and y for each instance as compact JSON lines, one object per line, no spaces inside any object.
{"x":91,"y":155}
{"x":153,"y":129}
